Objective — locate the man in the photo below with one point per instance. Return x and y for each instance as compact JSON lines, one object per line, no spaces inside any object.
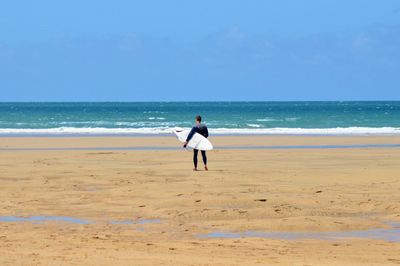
{"x":202,"y":130}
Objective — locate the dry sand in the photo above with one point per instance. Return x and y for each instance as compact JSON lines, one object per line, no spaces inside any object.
{"x":307,"y":190}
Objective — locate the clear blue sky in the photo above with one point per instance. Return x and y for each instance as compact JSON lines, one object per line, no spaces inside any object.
{"x":96,"y":50}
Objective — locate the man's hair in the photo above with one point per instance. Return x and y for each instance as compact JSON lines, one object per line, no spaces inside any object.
{"x":198,"y":118}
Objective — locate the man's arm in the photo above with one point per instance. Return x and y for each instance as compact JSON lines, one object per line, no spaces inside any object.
{"x":192,"y":132}
{"x":190,"y":136}
{"x":206,"y":132}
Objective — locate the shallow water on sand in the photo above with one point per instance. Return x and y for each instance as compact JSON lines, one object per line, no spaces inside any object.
{"x":155,"y":148}
{"x":385,"y":234}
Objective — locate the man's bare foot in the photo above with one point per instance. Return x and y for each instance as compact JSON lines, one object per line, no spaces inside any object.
{"x":194,"y":169}
{"x":206,"y":168}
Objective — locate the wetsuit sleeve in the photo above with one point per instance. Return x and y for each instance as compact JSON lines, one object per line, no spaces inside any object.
{"x":206,"y":132}
{"x":189,"y":137}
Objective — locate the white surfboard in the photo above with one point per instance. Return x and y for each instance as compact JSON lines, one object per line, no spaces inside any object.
{"x":197,"y":142}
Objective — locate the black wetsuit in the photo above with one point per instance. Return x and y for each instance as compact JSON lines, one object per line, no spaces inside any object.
{"x":202,"y":130}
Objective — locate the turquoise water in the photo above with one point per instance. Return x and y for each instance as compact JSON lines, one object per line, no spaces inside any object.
{"x":221,"y":117}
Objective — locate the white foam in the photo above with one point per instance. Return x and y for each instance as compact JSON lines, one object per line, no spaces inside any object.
{"x":267,"y":119}
{"x":254,"y":125}
{"x":85,"y":131}
{"x":310,"y":131}
{"x":213,"y":131}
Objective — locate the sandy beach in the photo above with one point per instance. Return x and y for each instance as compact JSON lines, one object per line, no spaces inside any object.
{"x":147,"y":207}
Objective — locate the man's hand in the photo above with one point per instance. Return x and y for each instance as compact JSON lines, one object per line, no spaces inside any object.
{"x":185,"y":144}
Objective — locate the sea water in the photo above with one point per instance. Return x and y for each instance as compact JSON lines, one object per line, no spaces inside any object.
{"x":84,"y":118}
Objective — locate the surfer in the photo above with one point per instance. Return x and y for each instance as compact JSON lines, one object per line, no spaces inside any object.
{"x":202,"y":130}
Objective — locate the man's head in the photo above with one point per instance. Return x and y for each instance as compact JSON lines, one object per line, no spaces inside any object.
{"x":198,"y":119}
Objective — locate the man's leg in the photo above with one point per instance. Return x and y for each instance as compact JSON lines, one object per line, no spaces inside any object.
{"x":203,"y":154}
{"x":195,"y":152}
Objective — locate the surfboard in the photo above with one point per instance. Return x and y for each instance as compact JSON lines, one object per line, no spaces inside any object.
{"x":197,"y":142}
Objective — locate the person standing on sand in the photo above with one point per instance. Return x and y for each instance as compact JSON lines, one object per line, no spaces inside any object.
{"x":202,"y":130}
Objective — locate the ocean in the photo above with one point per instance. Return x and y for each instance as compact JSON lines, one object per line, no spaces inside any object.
{"x":298,"y":118}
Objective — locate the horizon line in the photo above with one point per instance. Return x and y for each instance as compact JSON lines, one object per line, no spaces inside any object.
{"x":188,"y":101}
{"x":199,"y":101}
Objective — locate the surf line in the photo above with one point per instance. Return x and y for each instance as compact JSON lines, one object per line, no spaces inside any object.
{"x":170,"y":148}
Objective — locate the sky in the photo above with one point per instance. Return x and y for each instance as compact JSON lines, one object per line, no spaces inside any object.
{"x":184,"y":50}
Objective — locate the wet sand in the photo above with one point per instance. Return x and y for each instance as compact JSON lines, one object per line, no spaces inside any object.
{"x":149,"y":208}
